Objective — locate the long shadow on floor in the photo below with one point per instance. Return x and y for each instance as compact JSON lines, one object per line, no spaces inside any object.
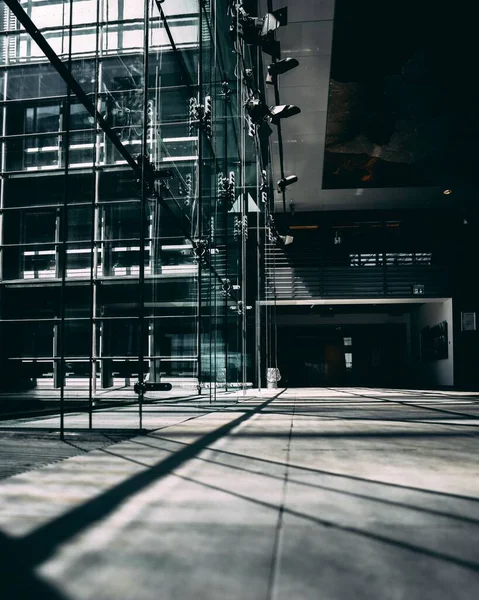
{"x":376,"y":499}
{"x":38,"y":545}
{"x":467,"y":564}
{"x":18,"y":581}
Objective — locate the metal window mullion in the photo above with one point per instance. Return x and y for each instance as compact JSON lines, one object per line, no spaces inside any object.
{"x":2,"y":193}
{"x":64,"y":235}
{"x":244,"y":216}
{"x":2,"y":182}
{"x":144,"y":198}
{"x":258,"y":314}
{"x":95,"y":225}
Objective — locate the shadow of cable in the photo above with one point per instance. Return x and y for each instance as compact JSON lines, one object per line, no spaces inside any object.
{"x":471,"y":565}
{"x":433,"y":554}
{"x":328,"y":417}
{"x":334,"y":474}
{"x":413,"y":405}
{"x":375,"y":499}
{"x":38,"y":545}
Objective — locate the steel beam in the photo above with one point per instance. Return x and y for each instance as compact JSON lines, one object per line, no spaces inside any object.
{"x":75,"y":87}
{"x":36,"y":35}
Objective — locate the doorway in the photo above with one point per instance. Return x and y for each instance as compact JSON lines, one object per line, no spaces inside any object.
{"x":359,"y":355}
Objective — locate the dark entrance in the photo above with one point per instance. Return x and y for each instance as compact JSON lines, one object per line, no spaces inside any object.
{"x":362,"y":355}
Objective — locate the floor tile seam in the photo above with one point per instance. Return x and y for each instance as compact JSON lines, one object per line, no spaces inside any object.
{"x":278,"y":543}
{"x":384,"y":398}
{"x":352,"y":529}
{"x":68,"y":524}
{"x":230,"y":415}
{"x":392,"y":423}
{"x":209,"y":450}
{"x":336,"y":474}
{"x":81,"y":453}
{"x":120,"y":407}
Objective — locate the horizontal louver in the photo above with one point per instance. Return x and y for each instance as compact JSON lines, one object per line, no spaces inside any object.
{"x":310,"y":274}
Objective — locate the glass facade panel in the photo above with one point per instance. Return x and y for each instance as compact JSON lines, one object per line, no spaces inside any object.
{"x":142,"y":269}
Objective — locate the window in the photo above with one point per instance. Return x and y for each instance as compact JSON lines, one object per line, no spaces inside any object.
{"x":348,"y":356}
{"x":393,"y":259}
{"x":365,"y":260}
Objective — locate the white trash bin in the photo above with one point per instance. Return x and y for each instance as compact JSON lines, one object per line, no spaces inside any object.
{"x":272,"y":377}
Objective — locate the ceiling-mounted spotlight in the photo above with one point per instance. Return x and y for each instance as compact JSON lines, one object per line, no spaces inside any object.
{"x":282,"y":184}
{"x":271,"y":21}
{"x":254,"y":30}
{"x":280,"y":67}
{"x":259,"y":30}
{"x":287,"y":239}
{"x":258,"y":111}
{"x":283,"y":111}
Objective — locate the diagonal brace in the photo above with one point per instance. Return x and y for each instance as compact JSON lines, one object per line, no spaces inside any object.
{"x":68,"y":78}
{"x":76,"y":88}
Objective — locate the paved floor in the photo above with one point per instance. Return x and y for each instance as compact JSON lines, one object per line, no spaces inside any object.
{"x":326,"y":494}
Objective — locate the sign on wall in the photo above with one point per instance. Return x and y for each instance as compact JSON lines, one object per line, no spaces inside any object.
{"x":468,"y":321}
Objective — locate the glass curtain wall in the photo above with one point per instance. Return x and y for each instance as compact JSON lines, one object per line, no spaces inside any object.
{"x":109,"y":277}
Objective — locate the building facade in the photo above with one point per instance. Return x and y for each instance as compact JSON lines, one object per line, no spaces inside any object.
{"x":108,"y":271}
{"x":148,"y":231}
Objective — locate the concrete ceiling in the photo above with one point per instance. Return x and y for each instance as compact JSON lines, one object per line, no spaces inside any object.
{"x":308,"y":38}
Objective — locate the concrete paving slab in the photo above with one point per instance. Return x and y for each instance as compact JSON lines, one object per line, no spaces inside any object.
{"x":314,"y":494}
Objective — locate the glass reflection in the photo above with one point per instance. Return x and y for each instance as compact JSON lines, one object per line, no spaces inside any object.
{"x":115,"y":274}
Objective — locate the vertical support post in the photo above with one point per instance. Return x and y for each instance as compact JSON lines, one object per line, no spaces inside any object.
{"x":94,"y":232}
{"x":243,"y":238}
{"x":226,"y":93}
{"x":144,"y":199}
{"x":199,"y":205}
{"x":64,"y":227}
{"x":2,"y":197}
{"x":3,"y":168}
{"x":258,"y":343}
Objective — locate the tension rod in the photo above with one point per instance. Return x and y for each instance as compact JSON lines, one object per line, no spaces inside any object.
{"x":33,"y":31}
{"x":75,"y":87}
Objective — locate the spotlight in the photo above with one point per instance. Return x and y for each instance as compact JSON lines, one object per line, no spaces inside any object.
{"x":258,"y":111}
{"x":271,"y":21}
{"x":226,"y":287}
{"x":280,"y":67}
{"x":259,"y":30}
{"x":287,"y":239}
{"x":283,"y":183}
{"x":283,"y":111}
